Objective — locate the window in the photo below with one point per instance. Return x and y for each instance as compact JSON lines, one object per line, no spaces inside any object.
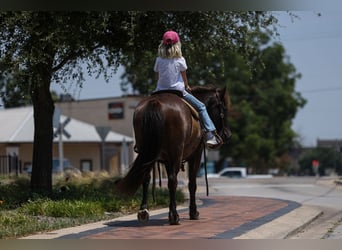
{"x":86,"y":165}
{"x":115,"y":110}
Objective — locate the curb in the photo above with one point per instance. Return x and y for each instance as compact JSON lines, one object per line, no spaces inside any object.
{"x":286,"y":225}
{"x":338,"y":182}
{"x":96,"y":226}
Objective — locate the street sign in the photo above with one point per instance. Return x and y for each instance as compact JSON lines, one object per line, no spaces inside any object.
{"x":56,"y":117}
{"x":59,"y":132}
{"x":103,"y":131}
{"x":315,"y":166}
{"x":60,"y":129}
{"x":315,"y":163}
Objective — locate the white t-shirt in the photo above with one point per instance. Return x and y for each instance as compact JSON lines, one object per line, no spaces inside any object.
{"x":169,"y":73}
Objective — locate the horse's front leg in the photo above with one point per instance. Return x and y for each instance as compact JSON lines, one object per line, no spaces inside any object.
{"x":192,"y":186}
{"x":172,"y":185}
{"x":143,"y":213}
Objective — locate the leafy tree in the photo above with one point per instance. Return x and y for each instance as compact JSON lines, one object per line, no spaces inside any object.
{"x":12,"y":94}
{"x":42,"y":47}
{"x":264,"y":103}
{"x":206,"y":37}
{"x":46,"y":46}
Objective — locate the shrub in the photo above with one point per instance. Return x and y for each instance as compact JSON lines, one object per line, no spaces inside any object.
{"x":73,"y":202}
{"x":63,"y":208}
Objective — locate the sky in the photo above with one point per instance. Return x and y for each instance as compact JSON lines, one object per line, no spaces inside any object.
{"x":313,"y":44}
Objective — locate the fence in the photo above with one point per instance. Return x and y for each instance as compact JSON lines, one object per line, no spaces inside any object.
{"x":10,"y":165}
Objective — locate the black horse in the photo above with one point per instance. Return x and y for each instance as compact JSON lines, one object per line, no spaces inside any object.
{"x":167,"y":131}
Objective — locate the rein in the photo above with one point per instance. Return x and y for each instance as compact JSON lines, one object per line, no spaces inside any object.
{"x":205,"y":170}
{"x":222,"y":109}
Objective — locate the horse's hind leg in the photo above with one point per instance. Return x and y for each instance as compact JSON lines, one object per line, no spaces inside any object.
{"x":143,"y":213}
{"x":172,"y":185}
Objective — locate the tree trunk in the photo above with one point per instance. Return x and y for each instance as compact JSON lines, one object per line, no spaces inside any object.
{"x":43,"y":107}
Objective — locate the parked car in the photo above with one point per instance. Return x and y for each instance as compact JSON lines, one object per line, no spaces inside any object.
{"x":67,"y":167}
{"x":231,"y":172}
{"x":56,"y":168}
{"x":210,"y":169}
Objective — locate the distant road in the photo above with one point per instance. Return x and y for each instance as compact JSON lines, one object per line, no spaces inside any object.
{"x":305,"y":190}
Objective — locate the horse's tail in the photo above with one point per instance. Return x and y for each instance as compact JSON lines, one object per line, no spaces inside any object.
{"x":151,"y":132}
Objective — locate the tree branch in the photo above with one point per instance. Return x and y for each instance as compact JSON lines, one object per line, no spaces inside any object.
{"x":71,"y":56}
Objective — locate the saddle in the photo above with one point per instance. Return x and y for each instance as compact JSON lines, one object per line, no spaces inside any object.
{"x":193,"y":111}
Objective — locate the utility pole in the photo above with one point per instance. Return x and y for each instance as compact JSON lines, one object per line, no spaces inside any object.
{"x":103,"y":132}
{"x":60,"y":131}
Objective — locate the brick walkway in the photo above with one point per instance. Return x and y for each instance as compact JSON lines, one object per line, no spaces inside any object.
{"x":220,"y":218}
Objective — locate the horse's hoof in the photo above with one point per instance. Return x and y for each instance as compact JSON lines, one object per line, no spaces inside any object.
{"x":143,"y":215}
{"x":174,"y":220}
{"x":194,"y":216}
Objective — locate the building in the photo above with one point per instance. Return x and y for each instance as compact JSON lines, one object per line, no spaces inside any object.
{"x":81,"y":143}
{"x":116,"y":112}
{"x":330,"y":143}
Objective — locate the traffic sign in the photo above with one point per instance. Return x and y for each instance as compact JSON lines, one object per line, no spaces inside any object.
{"x":60,"y":129}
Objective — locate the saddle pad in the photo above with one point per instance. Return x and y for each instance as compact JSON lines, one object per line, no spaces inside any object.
{"x":192,"y":109}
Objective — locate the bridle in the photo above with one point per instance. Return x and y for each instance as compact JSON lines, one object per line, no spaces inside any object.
{"x":222,"y":109}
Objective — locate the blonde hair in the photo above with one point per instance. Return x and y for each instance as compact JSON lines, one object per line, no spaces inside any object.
{"x":170,"y":51}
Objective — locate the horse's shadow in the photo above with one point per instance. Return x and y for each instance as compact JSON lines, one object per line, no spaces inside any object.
{"x":134,"y":223}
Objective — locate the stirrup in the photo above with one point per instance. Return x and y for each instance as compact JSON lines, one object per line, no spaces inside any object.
{"x":218,"y":139}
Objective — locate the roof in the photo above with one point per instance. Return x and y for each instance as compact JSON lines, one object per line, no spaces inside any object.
{"x":17,"y":126}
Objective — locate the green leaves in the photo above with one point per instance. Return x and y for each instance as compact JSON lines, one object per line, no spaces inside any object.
{"x":264,"y":102}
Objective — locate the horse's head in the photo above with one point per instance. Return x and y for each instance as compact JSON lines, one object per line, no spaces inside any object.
{"x":216,"y":100}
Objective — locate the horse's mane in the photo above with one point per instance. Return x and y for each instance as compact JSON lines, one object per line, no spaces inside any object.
{"x":211,"y":88}
{"x":200,"y":88}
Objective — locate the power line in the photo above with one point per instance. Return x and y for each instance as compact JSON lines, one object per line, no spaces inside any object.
{"x":310,"y":36}
{"x":321,"y":90}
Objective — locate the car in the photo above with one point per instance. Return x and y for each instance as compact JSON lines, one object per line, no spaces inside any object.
{"x":230,"y":172}
{"x":210,"y":169}
{"x":67,"y":167}
{"x":55,"y":165}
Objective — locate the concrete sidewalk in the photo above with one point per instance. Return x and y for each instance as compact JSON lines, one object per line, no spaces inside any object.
{"x":221,"y":217}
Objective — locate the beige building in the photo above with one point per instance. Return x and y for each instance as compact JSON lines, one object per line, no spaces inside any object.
{"x":116,"y":112}
{"x":81,"y":143}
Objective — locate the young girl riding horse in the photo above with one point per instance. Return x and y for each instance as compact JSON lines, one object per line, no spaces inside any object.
{"x":170,"y":67}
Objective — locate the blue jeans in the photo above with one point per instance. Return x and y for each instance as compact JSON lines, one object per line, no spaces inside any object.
{"x":202,"y":110}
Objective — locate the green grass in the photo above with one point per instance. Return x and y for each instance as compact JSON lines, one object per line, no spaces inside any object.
{"x":82,"y":199}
